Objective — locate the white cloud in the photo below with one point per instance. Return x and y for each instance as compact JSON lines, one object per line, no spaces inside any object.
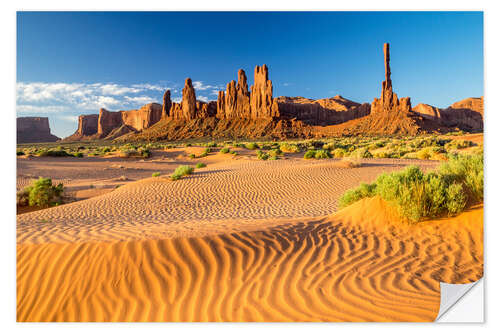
{"x":42,"y":97}
{"x":202,"y":98}
{"x":199,"y":85}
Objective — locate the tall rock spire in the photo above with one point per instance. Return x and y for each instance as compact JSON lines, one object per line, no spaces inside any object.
{"x":167,"y":104}
{"x":387,"y":84}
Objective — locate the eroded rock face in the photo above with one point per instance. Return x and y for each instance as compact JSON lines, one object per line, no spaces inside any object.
{"x":221,"y":105}
{"x":108,"y":121}
{"x":389,"y":101}
{"x":142,"y":118}
{"x":34,"y":129}
{"x":167,"y":104}
{"x":427,"y":111}
{"x":327,"y":111}
{"x":188,"y":100}
{"x":87,"y":124}
{"x":261,"y":96}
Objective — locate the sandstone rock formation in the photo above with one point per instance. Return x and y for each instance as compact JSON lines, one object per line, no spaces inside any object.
{"x":167,"y":104}
{"x":327,"y":111}
{"x":465,"y":115}
{"x":188,"y":100}
{"x":34,"y":129}
{"x":389,"y":101}
{"x":261,"y":96}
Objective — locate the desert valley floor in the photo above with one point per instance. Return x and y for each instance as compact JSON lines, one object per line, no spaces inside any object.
{"x":239,"y":240}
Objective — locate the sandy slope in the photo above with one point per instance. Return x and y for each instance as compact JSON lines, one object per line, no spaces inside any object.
{"x":222,"y":246}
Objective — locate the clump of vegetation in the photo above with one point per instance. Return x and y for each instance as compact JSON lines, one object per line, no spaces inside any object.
{"x":361,"y":153}
{"x":20,"y":153}
{"x":41,"y":194}
{"x":54,"y":153}
{"x":261,"y":155}
{"x":225,"y":150}
{"x":200,"y":165}
{"x":252,"y":146}
{"x":275,"y":153}
{"x":310,"y":154}
{"x":181,"y":171}
{"x":321,"y":153}
{"x":349,"y":162}
{"x":156,"y":174}
{"x":78,"y":154}
{"x":456,"y":185}
{"x":458,"y":144}
{"x":339,"y":152}
{"x":234,"y":153}
{"x":289,"y":148}
{"x":205,"y":152}
{"x":192,"y":156}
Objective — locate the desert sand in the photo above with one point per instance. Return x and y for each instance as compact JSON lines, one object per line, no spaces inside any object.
{"x":239,"y":240}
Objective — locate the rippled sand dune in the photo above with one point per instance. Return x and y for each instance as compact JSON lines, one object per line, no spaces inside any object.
{"x":233,"y":244}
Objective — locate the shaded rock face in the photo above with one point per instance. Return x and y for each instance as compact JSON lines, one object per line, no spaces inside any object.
{"x":167,"y":104}
{"x":389,"y":101}
{"x":34,"y":129}
{"x":328,"y":111}
{"x":87,"y":124}
{"x":465,"y":115}
{"x":261,"y":96}
{"x":108,"y":121}
{"x":142,"y":118}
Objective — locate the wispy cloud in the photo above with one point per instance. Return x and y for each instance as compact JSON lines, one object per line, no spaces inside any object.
{"x":42,"y":97}
{"x":199,"y":85}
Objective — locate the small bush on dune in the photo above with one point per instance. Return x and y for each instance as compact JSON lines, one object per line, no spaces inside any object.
{"x":156,"y":174}
{"x":320,"y":154}
{"x":349,"y":162}
{"x":78,"y":154}
{"x":289,"y":148}
{"x":361,"y":153}
{"x":19,"y":153}
{"x":224,"y":150}
{"x":200,"y":165}
{"x":55,"y":153}
{"x":339,"y":152}
{"x":262,"y":155}
{"x":310,"y":154}
{"x":252,"y":146}
{"x":457,"y":184}
{"x":181,"y":171}
{"x":192,"y":156}
{"x":41,"y":193}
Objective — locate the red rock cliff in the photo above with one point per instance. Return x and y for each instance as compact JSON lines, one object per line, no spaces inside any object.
{"x":34,"y":129}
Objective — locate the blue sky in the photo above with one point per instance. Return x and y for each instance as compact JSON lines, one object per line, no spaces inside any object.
{"x":72,"y":63}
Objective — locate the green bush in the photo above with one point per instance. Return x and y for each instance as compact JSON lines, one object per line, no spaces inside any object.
{"x":41,"y":193}
{"x":252,"y":146}
{"x":417,"y":195}
{"x":192,"y":156}
{"x":156,"y":174}
{"x":339,"y":152}
{"x":78,"y":154}
{"x":310,"y":154}
{"x":181,"y":171}
{"x":19,"y":153}
{"x":320,"y":154}
{"x":361,"y":153}
{"x":55,"y":153}
{"x":200,"y":165}
{"x":262,"y":155}
{"x":289,"y":148}
{"x":225,"y":150}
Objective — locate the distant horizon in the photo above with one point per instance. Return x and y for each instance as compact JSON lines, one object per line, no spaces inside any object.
{"x":73,"y":63}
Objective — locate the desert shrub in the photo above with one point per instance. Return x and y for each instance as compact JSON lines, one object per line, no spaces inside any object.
{"x":54,"y":153}
{"x":289,"y":148}
{"x":19,"y":153}
{"x":361,"y":153}
{"x":273,"y":158}
{"x":41,"y":193}
{"x":181,"y":171}
{"x":262,"y":155}
{"x":276,"y":152}
{"x":339,"y":152}
{"x":349,"y":162}
{"x":351,"y":196}
{"x":320,"y":154}
{"x":458,"y":144}
{"x":144,"y":152}
{"x":251,"y":146}
{"x":200,"y":165}
{"x":425,"y":153}
{"x":192,"y":156}
{"x":234,"y":153}
{"x":156,"y":174}
{"x":188,"y":144}
{"x":225,"y":150}
{"x":310,"y":154}
{"x":416,"y":195}
{"x":78,"y":154}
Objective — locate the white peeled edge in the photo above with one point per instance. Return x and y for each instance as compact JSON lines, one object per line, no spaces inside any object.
{"x":451,"y":302}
